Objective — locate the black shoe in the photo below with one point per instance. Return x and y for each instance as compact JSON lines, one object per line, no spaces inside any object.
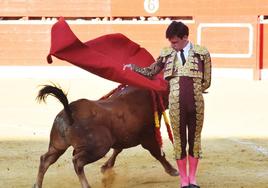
{"x":185,"y":186}
{"x":193,"y":186}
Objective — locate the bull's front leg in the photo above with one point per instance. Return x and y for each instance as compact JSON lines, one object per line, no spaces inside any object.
{"x":149,"y":142}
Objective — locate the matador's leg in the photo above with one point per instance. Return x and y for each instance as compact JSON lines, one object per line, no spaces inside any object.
{"x":178,"y":123}
{"x":195,"y":125}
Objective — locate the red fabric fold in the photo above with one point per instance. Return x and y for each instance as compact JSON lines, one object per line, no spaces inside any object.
{"x":104,"y":56}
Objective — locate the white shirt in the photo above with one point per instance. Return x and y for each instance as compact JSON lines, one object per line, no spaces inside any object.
{"x":185,"y":51}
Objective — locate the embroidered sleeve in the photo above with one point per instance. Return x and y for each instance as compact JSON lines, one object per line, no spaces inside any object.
{"x":152,"y":70}
{"x":207,"y":71}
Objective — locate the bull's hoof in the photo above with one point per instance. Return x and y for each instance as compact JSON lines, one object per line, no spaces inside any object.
{"x":173,"y":172}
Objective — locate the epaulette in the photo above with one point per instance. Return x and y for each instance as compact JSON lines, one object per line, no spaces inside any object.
{"x":200,"y":49}
{"x":166,"y":51}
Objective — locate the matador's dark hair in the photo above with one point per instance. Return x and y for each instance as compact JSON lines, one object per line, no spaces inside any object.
{"x":178,"y":29}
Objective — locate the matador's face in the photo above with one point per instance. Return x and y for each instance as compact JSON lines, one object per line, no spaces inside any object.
{"x":178,"y":43}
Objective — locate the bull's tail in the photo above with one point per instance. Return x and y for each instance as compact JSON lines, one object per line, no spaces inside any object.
{"x":56,"y":92}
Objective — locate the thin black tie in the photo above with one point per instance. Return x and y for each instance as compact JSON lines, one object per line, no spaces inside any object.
{"x":183,"y":60}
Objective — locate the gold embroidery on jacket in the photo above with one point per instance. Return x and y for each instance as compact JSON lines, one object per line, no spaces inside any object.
{"x":190,"y":69}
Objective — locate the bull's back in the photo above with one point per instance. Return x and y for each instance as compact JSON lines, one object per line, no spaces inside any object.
{"x":128,"y":116}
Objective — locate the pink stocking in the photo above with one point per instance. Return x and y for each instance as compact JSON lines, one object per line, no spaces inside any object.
{"x":182,"y":163}
{"x":193,"y":162}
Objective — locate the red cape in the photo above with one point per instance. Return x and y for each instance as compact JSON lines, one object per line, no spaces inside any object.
{"x":104,"y":56}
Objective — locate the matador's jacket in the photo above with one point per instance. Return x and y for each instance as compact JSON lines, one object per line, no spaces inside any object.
{"x":186,"y":105}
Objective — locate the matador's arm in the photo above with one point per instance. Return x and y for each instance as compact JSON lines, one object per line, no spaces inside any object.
{"x":152,"y":70}
{"x":207,"y":72}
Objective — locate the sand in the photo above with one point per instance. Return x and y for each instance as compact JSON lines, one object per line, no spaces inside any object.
{"x":235,"y":138}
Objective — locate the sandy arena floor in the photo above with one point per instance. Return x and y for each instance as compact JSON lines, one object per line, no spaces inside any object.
{"x":235,"y":138}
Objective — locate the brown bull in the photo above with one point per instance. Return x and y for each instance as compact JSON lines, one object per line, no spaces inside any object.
{"x":92,"y":128}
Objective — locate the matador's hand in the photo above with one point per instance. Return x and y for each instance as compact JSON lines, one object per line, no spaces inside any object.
{"x":128,"y":66}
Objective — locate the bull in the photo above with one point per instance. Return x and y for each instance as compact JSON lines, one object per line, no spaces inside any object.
{"x":92,"y":128}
